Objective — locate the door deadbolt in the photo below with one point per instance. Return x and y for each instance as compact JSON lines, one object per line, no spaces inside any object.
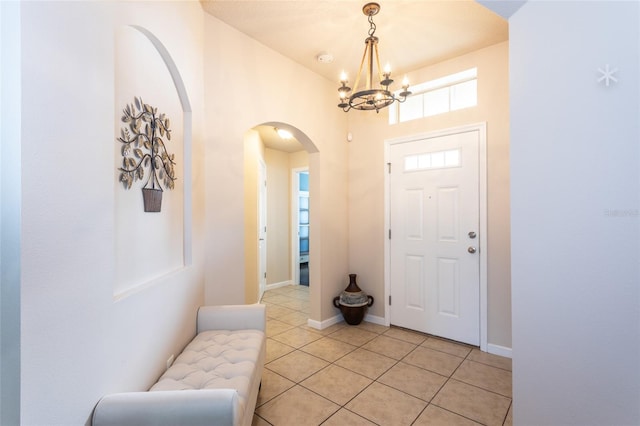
{"x":472,"y":235}
{"x":471,"y":249}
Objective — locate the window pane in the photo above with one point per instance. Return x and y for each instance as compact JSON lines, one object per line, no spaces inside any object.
{"x":424,"y":161}
{"x":452,"y":158}
{"x":393,"y":113}
{"x":304,"y":217}
{"x":304,"y":231}
{"x":464,"y":95}
{"x":411,"y":162}
{"x":411,"y":108}
{"x":437,"y":159}
{"x":304,"y":245}
{"x":436,"y":102}
{"x":304,"y":203}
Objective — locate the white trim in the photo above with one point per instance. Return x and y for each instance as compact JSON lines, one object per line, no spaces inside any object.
{"x":499,"y":350}
{"x":481,"y":128}
{"x":262,"y":215}
{"x":278,"y":285}
{"x":321,"y":325}
{"x":374,"y":319}
{"x":295,"y":220}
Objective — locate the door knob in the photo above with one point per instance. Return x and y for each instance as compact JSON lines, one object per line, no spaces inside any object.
{"x":472,"y":235}
{"x":471,"y":249}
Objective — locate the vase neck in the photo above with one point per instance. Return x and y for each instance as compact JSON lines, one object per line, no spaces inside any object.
{"x":353,"y":286}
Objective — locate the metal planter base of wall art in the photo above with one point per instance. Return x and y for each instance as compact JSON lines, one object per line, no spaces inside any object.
{"x":144,"y":152}
{"x":353,"y":302}
{"x":152,"y":199}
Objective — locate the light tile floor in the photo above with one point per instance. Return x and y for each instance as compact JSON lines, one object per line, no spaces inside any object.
{"x":373,"y":375}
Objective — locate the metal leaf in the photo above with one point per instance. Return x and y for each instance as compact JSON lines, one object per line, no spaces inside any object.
{"x":140,"y":173}
{"x":146,"y":161}
{"x":147,"y":144}
{"x":168,"y":135}
{"x":125,"y":149}
{"x":138,"y":102}
{"x":138,"y":153}
{"x":166,"y":123}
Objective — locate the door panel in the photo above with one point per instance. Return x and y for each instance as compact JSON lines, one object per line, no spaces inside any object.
{"x":434,"y":196}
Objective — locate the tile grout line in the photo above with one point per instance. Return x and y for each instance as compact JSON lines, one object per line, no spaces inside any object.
{"x":376,"y":380}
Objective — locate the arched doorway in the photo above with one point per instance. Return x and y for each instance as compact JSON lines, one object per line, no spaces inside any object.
{"x":273,"y":152}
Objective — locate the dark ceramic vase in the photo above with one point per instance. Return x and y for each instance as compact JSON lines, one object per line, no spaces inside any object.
{"x":353,"y":302}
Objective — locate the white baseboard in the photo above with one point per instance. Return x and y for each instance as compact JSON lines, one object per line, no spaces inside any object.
{"x":321,"y":325}
{"x":498,"y":350}
{"x":278,"y":285}
{"x":375,"y":319}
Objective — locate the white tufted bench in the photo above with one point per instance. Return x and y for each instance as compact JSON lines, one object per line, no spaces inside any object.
{"x":214,"y":381}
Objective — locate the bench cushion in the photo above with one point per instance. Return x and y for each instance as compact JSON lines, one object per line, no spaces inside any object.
{"x":216,"y":359}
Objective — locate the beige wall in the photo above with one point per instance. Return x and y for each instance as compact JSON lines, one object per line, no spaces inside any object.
{"x":366,"y":181}
{"x":279,"y":212}
{"x":253,"y":152}
{"x":278,"y":216}
{"x":242,"y":80}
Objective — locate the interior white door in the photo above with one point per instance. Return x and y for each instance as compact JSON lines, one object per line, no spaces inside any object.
{"x":262,"y":228}
{"x":434,"y":247}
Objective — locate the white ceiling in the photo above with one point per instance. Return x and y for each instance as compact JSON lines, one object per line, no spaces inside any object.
{"x":413,"y":33}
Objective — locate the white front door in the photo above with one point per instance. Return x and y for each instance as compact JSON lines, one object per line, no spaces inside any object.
{"x":434,"y":246}
{"x":262,"y":228}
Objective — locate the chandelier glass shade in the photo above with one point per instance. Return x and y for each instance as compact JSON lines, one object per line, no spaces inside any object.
{"x":370,"y":97}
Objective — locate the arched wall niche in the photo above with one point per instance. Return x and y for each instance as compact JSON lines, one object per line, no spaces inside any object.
{"x":150,"y":246}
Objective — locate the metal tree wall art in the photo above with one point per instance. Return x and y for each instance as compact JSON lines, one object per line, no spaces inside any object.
{"x":144,"y":152}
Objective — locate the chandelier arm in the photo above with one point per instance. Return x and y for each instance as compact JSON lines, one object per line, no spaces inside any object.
{"x":378,"y":64}
{"x":364,"y":56}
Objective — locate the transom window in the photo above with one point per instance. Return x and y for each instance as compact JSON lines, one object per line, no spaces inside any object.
{"x":449,"y":93}
{"x":432,"y":160}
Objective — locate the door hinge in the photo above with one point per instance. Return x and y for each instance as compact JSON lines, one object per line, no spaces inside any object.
{"x":389,"y":168}
{"x":265,"y":275}
{"x":389,"y":300}
{"x":389,"y":233}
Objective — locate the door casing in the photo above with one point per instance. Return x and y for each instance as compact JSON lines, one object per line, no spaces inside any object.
{"x":481,"y":128}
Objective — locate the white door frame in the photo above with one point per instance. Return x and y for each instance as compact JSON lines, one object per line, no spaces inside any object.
{"x":482,"y":179}
{"x":262,"y":222}
{"x":295,"y":220}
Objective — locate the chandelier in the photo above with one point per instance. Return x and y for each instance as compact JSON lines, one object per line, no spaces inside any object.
{"x":370,"y":97}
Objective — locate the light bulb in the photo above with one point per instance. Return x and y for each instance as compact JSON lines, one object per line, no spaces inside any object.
{"x":343,"y":77}
{"x":405,"y":82}
{"x":387,"y":69}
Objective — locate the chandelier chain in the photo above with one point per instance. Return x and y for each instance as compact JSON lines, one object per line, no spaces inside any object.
{"x":372,"y":26}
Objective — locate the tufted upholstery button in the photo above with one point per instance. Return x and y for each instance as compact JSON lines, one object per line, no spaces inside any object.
{"x":215,"y":359}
